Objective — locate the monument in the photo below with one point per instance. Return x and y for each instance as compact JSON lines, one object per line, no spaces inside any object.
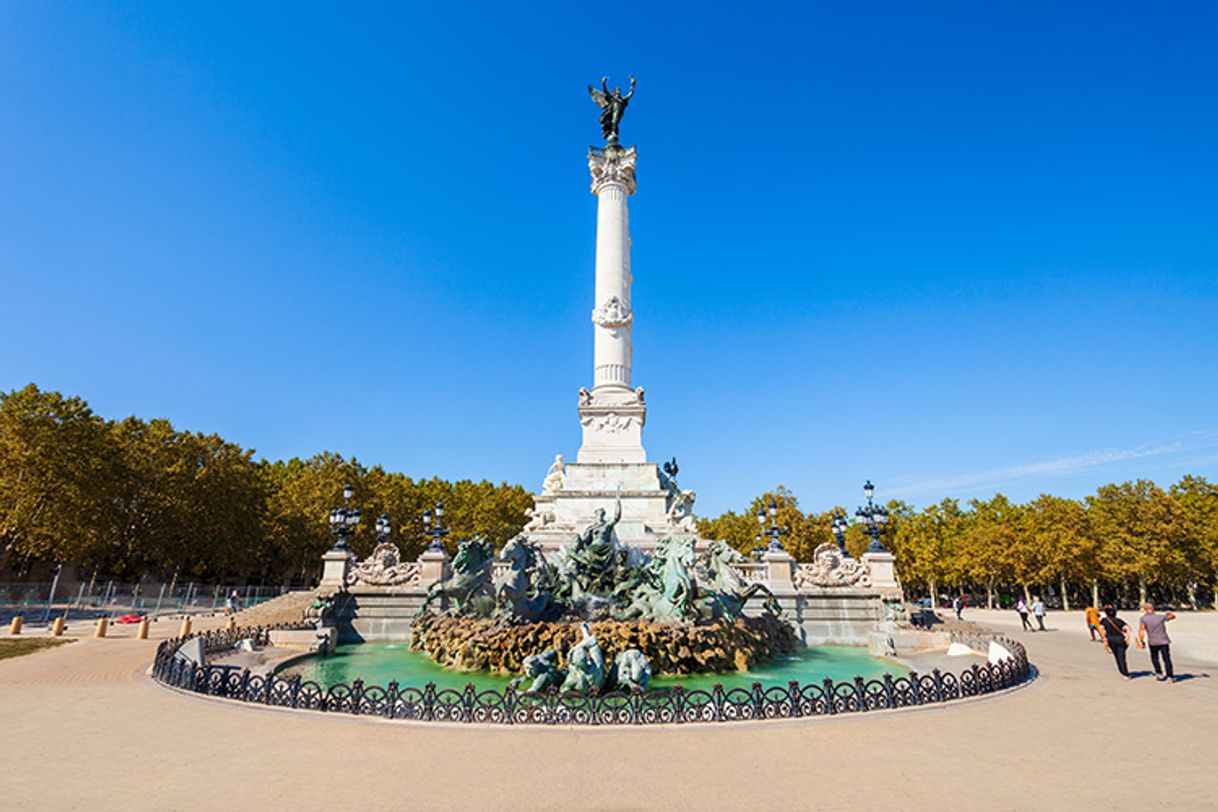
{"x":611,"y":463}
{"x":611,"y":538}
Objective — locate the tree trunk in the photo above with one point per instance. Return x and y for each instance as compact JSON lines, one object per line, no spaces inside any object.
{"x":934,"y":593}
{"x":1141,"y":590}
{"x":989,"y":592}
{"x":1095,"y":593}
{"x":1065,"y":596}
{"x":1027,"y":596}
{"x":1192,"y":595}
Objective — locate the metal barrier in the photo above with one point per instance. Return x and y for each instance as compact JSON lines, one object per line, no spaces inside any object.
{"x":656,"y":706}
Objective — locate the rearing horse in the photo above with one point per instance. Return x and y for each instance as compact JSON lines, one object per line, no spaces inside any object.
{"x":471,"y":578}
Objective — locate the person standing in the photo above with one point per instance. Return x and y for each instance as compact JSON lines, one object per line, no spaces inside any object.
{"x":958,"y":605}
{"x":1116,"y":638}
{"x":1093,"y":621}
{"x":1152,"y":629}
{"x":1022,"y":609}
{"x":1038,"y":609}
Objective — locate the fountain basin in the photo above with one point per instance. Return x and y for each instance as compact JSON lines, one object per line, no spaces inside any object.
{"x":382,"y":663}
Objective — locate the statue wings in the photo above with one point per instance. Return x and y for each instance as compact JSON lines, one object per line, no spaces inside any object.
{"x":601,"y":99}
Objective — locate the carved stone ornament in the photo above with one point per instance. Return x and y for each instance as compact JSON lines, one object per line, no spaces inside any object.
{"x":612,"y":165}
{"x":385,"y":568}
{"x":829,"y":568}
{"x":611,"y":423}
{"x":613,"y":313}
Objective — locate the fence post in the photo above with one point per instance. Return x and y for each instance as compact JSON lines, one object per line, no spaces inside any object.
{"x":794,"y":693}
{"x":915,"y":685}
{"x":391,"y":699}
{"x":429,"y":701}
{"x":718,"y":699}
{"x":890,"y":691}
{"x":830,"y":697}
{"x":467,"y":703}
{"x":860,"y":693}
{"x":938,"y":684}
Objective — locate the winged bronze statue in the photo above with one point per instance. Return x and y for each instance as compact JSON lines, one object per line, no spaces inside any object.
{"x":613,"y":106}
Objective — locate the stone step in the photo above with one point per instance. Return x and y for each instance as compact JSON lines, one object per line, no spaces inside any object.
{"x":287,"y":608}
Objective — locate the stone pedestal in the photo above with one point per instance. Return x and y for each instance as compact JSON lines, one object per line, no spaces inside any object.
{"x":334,"y":567}
{"x":434,"y":565}
{"x":779,"y":567}
{"x":883,"y":571}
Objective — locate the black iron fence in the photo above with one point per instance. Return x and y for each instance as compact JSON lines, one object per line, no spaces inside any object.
{"x":656,"y":706}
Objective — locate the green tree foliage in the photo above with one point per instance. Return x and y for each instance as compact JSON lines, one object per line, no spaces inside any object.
{"x":134,"y":497}
{"x":1126,"y":542}
{"x":55,"y":470}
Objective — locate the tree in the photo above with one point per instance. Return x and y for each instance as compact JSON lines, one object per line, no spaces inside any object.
{"x":1135,"y":525}
{"x":926,"y":542}
{"x":1197,"y":500}
{"x":53,"y":471}
{"x":1059,"y":543}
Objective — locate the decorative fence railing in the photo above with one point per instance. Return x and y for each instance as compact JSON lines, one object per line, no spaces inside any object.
{"x":656,"y":706}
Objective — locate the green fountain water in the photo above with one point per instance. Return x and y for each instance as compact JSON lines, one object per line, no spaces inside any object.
{"x":380,"y":663}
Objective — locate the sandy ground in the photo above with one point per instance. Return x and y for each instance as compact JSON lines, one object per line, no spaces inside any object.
{"x":83,"y":729}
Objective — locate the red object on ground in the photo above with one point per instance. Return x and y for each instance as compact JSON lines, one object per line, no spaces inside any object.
{"x":129,"y":619}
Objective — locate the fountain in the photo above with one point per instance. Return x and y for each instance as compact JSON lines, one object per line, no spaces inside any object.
{"x":639,"y":579}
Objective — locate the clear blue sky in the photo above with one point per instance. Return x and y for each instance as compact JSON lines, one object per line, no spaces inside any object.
{"x":951,"y":247}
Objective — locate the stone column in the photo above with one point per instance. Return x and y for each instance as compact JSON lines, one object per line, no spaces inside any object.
{"x":612,"y":414}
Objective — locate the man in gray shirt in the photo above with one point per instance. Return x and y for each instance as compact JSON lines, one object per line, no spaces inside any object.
{"x":1153,"y":630}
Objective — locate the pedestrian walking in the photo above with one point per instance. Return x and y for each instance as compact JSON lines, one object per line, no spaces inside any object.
{"x":228,"y":603}
{"x":1038,"y":609}
{"x":1022,"y":609}
{"x":1093,"y":621}
{"x":958,"y":605}
{"x":1152,"y":629}
{"x":1116,"y":638}
{"x":234,"y":598}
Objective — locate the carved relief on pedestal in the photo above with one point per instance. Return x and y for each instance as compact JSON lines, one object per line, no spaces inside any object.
{"x":611,"y":423}
{"x":385,"y":568}
{"x":830,"y":568}
{"x":612,"y":313}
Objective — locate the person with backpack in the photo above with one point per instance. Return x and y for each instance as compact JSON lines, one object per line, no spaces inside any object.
{"x":1116,"y":638}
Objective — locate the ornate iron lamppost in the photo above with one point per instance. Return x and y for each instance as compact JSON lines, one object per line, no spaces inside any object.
{"x":383,"y":528}
{"x":344,"y":519}
{"x":874,"y":518}
{"x":839,"y":532}
{"x":434,"y":528}
{"x":775,"y":532}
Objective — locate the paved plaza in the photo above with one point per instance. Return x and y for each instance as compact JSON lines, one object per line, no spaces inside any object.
{"x":84,"y":729}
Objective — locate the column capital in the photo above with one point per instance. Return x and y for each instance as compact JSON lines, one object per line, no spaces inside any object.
{"x":612,"y":165}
